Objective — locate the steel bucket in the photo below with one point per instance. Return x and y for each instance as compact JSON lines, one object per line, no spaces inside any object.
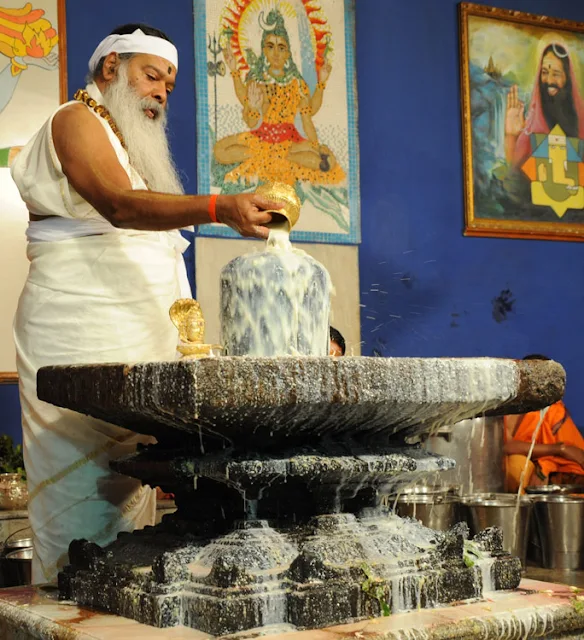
{"x":434,"y":511}
{"x":18,"y":565}
{"x":500,"y":510}
{"x":560,"y":530}
{"x":12,"y":543}
{"x":17,"y":543}
{"x":477,"y":446}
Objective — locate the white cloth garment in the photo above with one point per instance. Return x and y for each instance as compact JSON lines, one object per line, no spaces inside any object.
{"x":93,"y":294}
{"x":136,"y":42}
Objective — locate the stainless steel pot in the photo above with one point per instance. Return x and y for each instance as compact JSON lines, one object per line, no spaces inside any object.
{"x":18,"y":565}
{"x":560,"y":530}
{"x":430,"y":489}
{"x":17,"y":543}
{"x":434,"y":511}
{"x":501,"y":510}
{"x":477,"y":446}
{"x":555,"y":488}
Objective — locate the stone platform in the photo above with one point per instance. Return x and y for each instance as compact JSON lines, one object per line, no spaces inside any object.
{"x":253,"y":402}
{"x":535,"y":610}
{"x":277,"y":466}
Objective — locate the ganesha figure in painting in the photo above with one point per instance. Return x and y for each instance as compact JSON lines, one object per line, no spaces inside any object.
{"x":273,"y":94}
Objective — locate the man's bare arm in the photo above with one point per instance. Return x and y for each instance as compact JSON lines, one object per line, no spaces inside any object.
{"x":92,"y":167}
{"x":516,"y":447}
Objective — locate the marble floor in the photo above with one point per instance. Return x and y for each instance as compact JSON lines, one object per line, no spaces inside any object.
{"x":534,"y":610}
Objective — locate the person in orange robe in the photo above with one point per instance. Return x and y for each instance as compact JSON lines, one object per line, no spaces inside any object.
{"x":558,"y":453}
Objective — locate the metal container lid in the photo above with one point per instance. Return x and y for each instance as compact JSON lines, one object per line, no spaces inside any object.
{"x":433,"y":489}
{"x":434,"y":498}
{"x":555,"y":488}
{"x":507,"y":500}
{"x":559,"y":498}
{"x":20,"y":554}
{"x":18,"y":543}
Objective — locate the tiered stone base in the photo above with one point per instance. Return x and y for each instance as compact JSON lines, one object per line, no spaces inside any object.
{"x":336,"y":569}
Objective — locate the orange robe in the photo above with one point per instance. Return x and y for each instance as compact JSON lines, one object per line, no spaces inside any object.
{"x":557,"y":426}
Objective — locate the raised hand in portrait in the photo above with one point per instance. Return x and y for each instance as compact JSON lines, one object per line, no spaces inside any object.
{"x":515,"y":113}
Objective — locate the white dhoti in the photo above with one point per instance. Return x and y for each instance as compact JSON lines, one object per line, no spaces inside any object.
{"x":102,"y":298}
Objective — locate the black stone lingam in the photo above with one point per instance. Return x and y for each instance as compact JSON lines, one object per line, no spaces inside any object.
{"x":278,"y":466}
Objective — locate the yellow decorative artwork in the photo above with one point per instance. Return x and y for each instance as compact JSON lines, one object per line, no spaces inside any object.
{"x":33,"y":82}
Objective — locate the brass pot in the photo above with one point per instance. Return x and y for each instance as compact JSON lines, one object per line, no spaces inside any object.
{"x":13,"y":491}
{"x":288,"y":216}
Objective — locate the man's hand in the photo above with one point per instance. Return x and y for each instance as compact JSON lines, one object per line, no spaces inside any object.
{"x":515,"y":115}
{"x":575,"y":454}
{"x":246,"y":213}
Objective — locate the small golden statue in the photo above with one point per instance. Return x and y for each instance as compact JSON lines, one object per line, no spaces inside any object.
{"x":281,"y":192}
{"x":187,"y":317}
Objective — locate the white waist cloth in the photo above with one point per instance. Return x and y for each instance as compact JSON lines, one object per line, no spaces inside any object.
{"x":56,"y":229}
{"x":89,"y":299}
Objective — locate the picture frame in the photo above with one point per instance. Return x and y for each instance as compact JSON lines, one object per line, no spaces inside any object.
{"x":522,"y":78}
{"x":300,"y":127}
{"x":33,"y":63}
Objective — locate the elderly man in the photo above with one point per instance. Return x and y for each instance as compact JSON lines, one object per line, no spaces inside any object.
{"x":105,"y":204}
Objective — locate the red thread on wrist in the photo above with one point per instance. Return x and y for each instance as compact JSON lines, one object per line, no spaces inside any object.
{"x":213,"y":208}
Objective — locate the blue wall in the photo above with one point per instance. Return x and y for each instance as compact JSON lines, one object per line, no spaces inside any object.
{"x":10,"y":412}
{"x":439,"y":286}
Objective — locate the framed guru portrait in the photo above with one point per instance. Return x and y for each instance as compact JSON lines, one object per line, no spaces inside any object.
{"x":522,"y":85}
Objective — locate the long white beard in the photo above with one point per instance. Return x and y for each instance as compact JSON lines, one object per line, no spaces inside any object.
{"x":145,"y":138}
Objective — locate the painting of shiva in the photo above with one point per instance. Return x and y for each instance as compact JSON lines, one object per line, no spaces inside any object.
{"x":276,"y":102}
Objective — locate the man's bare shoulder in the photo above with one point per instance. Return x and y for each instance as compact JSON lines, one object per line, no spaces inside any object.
{"x":73,"y":115}
{"x":74,"y":128}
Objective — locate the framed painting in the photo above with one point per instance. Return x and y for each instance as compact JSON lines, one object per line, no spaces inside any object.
{"x":277,"y":102}
{"x":522,"y":78}
{"x":33,"y":82}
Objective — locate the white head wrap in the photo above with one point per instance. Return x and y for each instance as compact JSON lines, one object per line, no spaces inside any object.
{"x":137,"y":42}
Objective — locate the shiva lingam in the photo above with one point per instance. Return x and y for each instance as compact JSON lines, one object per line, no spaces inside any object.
{"x":276,"y":302}
{"x":278,"y":463}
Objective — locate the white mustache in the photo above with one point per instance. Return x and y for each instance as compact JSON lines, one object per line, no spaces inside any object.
{"x":152,"y":104}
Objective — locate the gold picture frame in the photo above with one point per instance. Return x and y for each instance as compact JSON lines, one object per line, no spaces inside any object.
{"x":511,"y":66}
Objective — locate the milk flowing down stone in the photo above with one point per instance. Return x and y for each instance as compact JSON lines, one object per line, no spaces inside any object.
{"x":278,"y":517}
{"x":275,"y":302}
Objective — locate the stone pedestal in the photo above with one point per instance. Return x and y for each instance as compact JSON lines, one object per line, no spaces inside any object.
{"x":277,"y":465}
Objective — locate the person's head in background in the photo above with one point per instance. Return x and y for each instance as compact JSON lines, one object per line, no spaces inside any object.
{"x":536,"y":356}
{"x":336,"y":343}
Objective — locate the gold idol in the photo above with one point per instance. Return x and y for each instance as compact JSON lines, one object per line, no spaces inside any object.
{"x":187,"y":317}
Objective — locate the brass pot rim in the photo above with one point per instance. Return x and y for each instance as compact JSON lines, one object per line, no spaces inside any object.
{"x":285,"y":193}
